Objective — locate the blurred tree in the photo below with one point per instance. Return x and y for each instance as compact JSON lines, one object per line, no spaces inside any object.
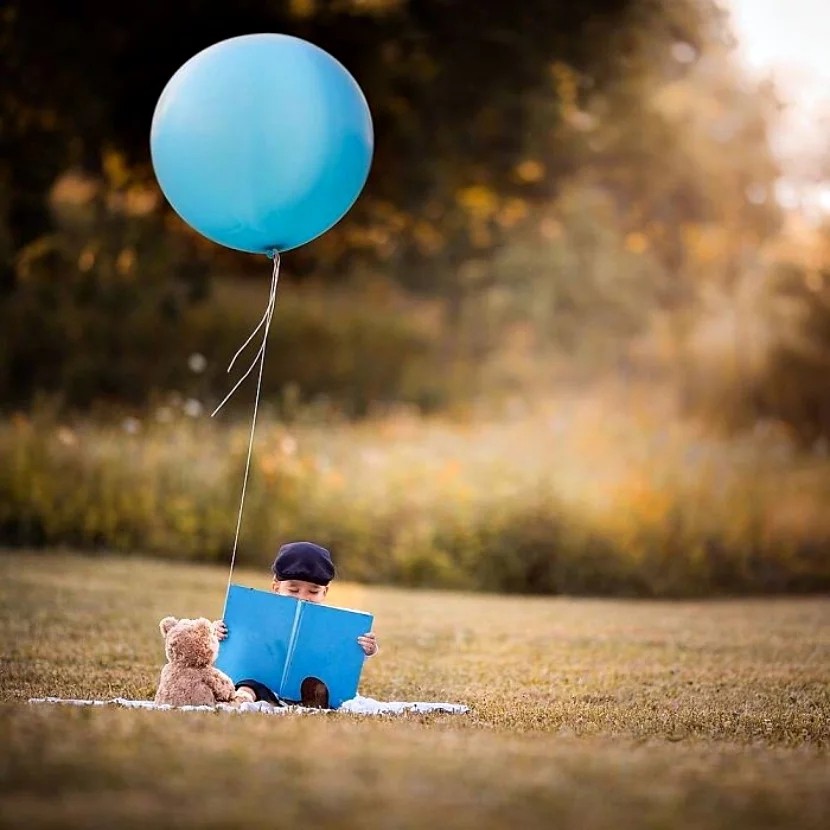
{"x":95,"y":303}
{"x":451,"y":86}
{"x":574,"y":158}
{"x":792,"y":386}
{"x":659,"y":187}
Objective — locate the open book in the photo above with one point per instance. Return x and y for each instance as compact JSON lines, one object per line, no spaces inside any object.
{"x":281,"y":641}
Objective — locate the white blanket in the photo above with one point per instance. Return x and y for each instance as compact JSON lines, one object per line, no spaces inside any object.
{"x":356,"y":706}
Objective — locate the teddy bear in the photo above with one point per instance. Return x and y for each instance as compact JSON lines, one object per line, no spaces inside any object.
{"x":190,"y":678}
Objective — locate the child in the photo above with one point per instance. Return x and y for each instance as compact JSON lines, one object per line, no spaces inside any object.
{"x":302,"y":570}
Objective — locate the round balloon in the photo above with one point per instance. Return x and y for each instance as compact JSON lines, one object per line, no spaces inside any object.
{"x":262,"y":142}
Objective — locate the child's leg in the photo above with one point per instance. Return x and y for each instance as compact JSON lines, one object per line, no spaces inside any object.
{"x":314,"y":693}
{"x":248,"y":691}
{"x":243,"y":694}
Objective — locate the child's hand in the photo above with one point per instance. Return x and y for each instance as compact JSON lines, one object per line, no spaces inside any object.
{"x":369,"y":643}
{"x":220,"y":629}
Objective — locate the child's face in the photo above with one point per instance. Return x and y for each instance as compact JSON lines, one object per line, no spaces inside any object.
{"x":299,"y":589}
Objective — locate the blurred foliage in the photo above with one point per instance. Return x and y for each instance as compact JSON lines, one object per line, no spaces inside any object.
{"x":451,"y":88}
{"x":109,"y":310}
{"x":794,"y":388}
{"x":96,"y":302}
{"x":568,"y":499}
{"x":757,"y":354}
{"x":555,"y":175}
{"x":561,"y":191}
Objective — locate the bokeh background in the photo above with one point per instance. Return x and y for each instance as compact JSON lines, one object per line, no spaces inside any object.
{"x":574,"y":337}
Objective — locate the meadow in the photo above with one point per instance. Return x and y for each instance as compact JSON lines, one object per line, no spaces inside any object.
{"x":587,"y":713}
{"x":598,"y":492}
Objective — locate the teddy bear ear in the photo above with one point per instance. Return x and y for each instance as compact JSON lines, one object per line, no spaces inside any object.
{"x":166,"y":624}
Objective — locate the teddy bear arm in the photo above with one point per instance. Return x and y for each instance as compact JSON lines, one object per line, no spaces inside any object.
{"x":220,"y":684}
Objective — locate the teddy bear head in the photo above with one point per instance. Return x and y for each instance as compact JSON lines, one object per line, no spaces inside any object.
{"x":189,"y":642}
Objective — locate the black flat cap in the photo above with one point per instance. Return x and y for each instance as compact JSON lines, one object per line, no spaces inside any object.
{"x":305,"y":561}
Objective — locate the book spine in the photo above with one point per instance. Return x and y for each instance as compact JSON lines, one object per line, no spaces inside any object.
{"x":292,"y":642}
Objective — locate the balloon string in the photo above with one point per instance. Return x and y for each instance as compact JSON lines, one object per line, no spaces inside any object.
{"x":259,"y":357}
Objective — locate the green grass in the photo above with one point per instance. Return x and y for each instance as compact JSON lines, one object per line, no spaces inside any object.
{"x":584,"y":713}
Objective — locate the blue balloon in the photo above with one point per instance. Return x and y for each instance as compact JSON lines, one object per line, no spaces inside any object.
{"x":262,"y":142}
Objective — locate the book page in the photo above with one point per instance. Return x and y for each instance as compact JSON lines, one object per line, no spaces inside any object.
{"x":260,"y":630}
{"x":325,"y":647}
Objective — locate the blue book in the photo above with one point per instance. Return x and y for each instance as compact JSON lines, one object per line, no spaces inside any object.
{"x":282,"y":641}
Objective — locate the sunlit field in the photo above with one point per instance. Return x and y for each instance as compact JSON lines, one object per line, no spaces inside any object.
{"x":602,"y":713}
{"x":601,"y":493}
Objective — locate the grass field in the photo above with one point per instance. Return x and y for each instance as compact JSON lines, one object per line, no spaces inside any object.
{"x":584,"y":713}
{"x":600,"y":492}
